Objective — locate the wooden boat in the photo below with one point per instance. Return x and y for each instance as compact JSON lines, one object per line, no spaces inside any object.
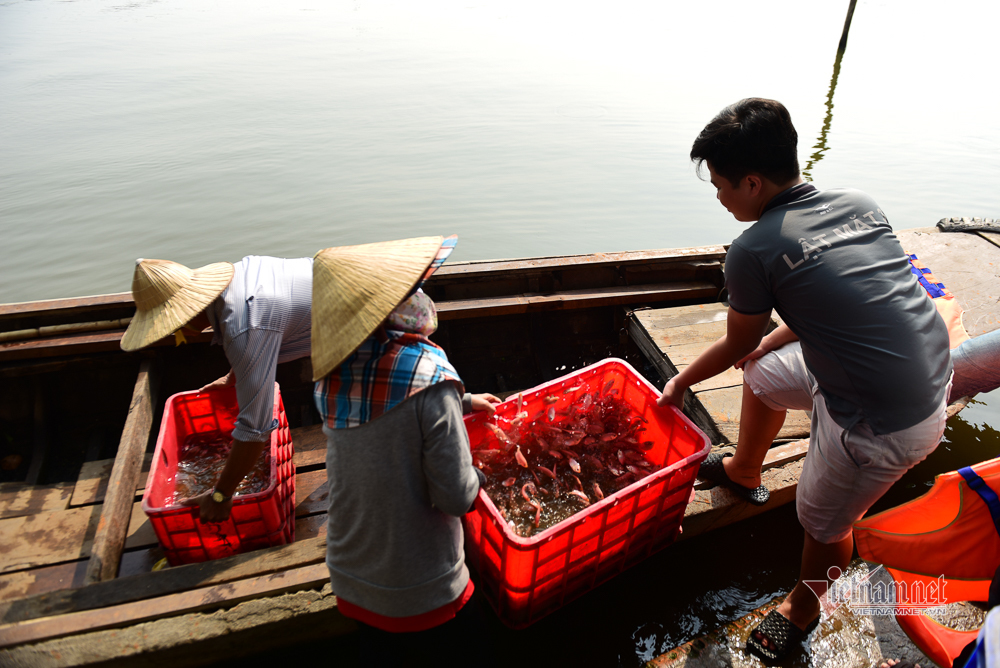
{"x":75,"y":581}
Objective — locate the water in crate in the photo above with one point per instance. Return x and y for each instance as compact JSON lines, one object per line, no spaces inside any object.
{"x":541,"y":468}
{"x":201,"y":460}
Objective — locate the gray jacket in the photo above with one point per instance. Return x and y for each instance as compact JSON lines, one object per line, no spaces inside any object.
{"x":398,"y":486}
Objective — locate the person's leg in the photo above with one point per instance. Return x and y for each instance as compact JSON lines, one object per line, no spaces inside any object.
{"x":759,"y":425}
{"x":801,"y":606}
{"x":772,"y":384}
{"x":844,"y":473}
{"x":977,"y":366}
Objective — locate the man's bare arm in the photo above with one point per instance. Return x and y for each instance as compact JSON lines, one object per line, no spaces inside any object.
{"x":743,"y":334}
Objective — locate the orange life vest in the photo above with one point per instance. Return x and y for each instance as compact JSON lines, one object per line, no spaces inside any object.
{"x":952,"y":531}
{"x":945,"y":302}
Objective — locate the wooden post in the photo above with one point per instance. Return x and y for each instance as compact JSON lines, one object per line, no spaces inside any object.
{"x":847,"y":27}
{"x":113,"y":526}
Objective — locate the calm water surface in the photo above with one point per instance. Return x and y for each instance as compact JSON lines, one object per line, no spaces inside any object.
{"x":205,"y":130}
{"x":208,"y":130}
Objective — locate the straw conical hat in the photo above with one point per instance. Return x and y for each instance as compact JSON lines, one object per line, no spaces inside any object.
{"x":168,"y":295}
{"x":356,"y":287}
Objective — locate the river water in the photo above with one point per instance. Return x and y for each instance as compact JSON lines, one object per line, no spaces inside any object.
{"x":206,"y":130}
{"x":199,"y":130}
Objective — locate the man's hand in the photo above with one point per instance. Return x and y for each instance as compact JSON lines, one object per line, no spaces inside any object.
{"x":225,"y":381}
{"x":673,"y":393}
{"x":485,"y":402}
{"x":210,"y":511}
{"x":776,"y":339}
{"x":759,"y":351}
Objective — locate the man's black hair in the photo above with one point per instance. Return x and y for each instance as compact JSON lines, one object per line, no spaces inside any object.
{"x":753,"y":135}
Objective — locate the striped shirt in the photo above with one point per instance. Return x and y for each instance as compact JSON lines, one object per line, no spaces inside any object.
{"x":263,"y":318}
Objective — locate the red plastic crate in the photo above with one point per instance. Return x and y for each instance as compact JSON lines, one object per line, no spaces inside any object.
{"x":528,"y":578}
{"x":258,"y":520}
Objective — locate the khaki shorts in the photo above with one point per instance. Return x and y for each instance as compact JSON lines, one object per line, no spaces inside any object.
{"x":846,"y":470}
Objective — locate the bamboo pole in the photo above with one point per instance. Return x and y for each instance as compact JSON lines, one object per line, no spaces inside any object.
{"x":72,"y":328}
{"x":109,"y":540}
{"x":847,"y":27}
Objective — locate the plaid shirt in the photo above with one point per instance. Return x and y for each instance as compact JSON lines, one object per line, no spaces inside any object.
{"x":385,"y":370}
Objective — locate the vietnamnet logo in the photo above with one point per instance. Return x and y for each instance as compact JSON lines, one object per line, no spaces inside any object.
{"x":875,"y":593}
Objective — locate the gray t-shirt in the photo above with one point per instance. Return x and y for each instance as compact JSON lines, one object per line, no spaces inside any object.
{"x":829,"y":264}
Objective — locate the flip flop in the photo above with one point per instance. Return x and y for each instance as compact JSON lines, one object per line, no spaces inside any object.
{"x":713,"y":471}
{"x":782,"y":637}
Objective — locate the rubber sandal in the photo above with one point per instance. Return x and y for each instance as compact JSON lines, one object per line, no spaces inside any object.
{"x":713,"y":471}
{"x":782,"y":636}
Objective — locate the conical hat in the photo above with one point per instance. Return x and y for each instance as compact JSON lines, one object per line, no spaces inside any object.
{"x":356,"y":287}
{"x":168,"y":295}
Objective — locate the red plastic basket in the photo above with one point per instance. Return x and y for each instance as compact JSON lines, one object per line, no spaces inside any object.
{"x":258,"y":520}
{"x":528,"y":578}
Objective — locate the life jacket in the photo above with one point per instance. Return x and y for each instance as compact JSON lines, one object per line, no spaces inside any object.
{"x":945,"y":302}
{"x":951,"y":532}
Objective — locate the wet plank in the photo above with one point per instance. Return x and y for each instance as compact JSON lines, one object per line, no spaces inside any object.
{"x":17,"y":499}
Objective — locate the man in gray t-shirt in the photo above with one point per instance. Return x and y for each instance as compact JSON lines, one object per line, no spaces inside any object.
{"x":830,"y":265}
{"x":861,"y":346}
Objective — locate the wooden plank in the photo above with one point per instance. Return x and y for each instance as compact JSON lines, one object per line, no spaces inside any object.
{"x":574,"y":299}
{"x":32,"y":499}
{"x":119,"y":500}
{"x":108,"y":341}
{"x":309,"y":444}
{"x":54,"y":537}
{"x":311,"y":493}
{"x":175,"y":604}
{"x":249,"y":633}
{"x":92,"y":483}
{"x":72,"y":305}
{"x":47,"y":538}
{"x":724,"y":407}
{"x":79,"y":344}
{"x":717,"y":507}
{"x":684,"y":317}
{"x":302,"y":552}
{"x":42,"y":580}
{"x":483,"y":269}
